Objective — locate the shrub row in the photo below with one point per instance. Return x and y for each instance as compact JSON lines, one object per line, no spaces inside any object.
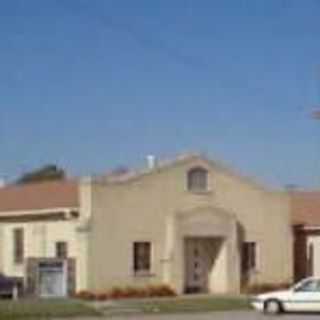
{"x":128,"y":292}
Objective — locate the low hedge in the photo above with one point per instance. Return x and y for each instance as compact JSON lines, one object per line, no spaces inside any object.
{"x":128,"y":292}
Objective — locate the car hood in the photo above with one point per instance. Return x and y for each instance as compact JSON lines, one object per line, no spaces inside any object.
{"x":284,"y":294}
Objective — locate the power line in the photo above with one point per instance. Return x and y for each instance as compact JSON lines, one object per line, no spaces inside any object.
{"x":149,"y":43}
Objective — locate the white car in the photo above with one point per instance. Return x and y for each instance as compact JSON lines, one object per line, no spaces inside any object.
{"x":302,"y":297}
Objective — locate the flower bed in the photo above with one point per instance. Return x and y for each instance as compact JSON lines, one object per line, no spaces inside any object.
{"x":128,"y":292}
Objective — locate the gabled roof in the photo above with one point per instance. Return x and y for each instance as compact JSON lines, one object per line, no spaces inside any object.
{"x":305,"y":207}
{"x":38,"y":196}
{"x":180,"y":159}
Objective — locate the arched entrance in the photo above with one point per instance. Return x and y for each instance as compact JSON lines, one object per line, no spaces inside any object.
{"x":206,"y":251}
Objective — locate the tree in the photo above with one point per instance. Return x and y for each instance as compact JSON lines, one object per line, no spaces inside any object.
{"x":46,"y":173}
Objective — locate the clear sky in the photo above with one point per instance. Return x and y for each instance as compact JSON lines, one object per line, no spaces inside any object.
{"x":93,"y":84}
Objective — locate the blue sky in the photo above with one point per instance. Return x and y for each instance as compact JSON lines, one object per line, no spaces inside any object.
{"x":92,"y":85}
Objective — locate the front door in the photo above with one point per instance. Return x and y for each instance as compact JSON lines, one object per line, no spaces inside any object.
{"x":196,"y":266}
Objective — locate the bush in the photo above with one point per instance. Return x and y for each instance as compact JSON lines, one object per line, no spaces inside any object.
{"x":134,"y":292}
{"x":160,"y":291}
{"x":117,"y":293}
{"x":128,"y":292}
{"x":85,"y":295}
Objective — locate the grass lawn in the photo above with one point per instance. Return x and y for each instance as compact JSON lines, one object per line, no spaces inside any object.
{"x":54,"y":308}
{"x":179,"y":305}
{"x":43,"y":309}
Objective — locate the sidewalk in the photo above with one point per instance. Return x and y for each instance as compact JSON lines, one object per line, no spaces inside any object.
{"x":180,"y":304}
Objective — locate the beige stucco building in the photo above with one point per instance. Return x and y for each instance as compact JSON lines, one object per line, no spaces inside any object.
{"x":203,"y":227}
{"x":190,"y":223}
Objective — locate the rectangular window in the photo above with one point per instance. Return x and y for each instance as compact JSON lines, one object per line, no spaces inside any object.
{"x":18,"y":245}
{"x":197,"y":180}
{"x":61,"y":250}
{"x":310,"y":260}
{"x":142,"y":257}
{"x":249,"y":256}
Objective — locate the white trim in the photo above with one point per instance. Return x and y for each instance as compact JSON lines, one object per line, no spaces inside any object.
{"x":311,"y":228}
{"x":37,"y":211}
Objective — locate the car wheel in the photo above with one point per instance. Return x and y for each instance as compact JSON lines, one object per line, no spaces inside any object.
{"x":272,"y":307}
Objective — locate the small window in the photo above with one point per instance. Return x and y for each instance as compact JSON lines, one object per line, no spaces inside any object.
{"x":197,"y":180}
{"x":142,"y":257}
{"x":61,"y":250}
{"x":18,"y":245}
{"x":310,"y":260}
{"x":249,"y":257}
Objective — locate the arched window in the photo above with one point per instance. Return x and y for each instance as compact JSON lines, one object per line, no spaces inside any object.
{"x":197,"y":179}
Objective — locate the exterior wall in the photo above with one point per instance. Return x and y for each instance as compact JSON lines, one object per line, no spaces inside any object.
{"x":39,"y":242}
{"x":40,"y":238}
{"x":83,"y":232}
{"x":276,"y":240}
{"x":144,"y":209}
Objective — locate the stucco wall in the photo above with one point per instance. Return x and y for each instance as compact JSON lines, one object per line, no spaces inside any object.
{"x":39,"y":241}
{"x":40,"y":238}
{"x":141,"y":208}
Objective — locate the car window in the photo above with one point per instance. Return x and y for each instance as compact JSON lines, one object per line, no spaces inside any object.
{"x":309,"y":286}
{"x":318,"y":285}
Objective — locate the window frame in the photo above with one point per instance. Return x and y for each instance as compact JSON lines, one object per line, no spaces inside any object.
{"x":146,"y":268}
{"x":18,"y":245}
{"x":200,"y":186}
{"x":64,"y":251}
{"x":249,"y":257}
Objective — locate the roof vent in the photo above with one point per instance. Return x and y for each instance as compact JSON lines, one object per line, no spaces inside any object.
{"x":151,"y":161}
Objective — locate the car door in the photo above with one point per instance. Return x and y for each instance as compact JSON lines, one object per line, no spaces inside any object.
{"x":305,"y":297}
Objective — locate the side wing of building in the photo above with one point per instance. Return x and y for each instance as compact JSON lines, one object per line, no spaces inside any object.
{"x":43,"y":238}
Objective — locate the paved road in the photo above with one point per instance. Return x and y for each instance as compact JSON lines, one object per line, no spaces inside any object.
{"x":243,"y":315}
{"x":236,"y":315}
